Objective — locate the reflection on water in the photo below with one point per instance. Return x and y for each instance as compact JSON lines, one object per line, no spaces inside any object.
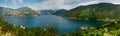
{"x":63,"y":24}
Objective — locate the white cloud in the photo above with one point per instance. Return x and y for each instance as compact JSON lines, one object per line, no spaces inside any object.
{"x":3,"y":5}
{"x":67,"y":4}
{"x":14,"y":1}
{"x":17,"y":1}
{"x":20,"y":1}
{"x":113,"y":1}
{"x":48,"y":4}
{"x":71,"y":6}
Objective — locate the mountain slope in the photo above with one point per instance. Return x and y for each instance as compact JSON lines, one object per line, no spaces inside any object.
{"x":20,"y":12}
{"x":60,"y":11}
{"x":47,"y":12}
{"x":52,"y":12}
{"x":94,"y":11}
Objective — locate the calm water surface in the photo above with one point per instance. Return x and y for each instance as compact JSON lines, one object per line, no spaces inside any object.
{"x":63,"y":24}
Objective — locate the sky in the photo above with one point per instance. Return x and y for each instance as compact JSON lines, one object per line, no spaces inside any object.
{"x":51,"y":4}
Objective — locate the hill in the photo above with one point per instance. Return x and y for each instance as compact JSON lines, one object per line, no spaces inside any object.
{"x":20,"y":12}
{"x":94,"y":11}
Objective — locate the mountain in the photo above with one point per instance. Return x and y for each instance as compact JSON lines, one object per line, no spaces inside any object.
{"x":47,"y":12}
{"x":94,"y":11}
{"x":60,"y":11}
{"x":52,"y":12}
{"x":20,"y":12}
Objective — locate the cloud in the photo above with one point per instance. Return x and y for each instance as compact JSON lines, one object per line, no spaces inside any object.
{"x":17,"y":1}
{"x":67,"y":4}
{"x":113,"y":1}
{"x":47,"y":4}
{"x":59,"y":4}
{"x":3,"y":5}
{"x":20,"y":1}
{"x":14,"y":1}
{"x":71,"y":6}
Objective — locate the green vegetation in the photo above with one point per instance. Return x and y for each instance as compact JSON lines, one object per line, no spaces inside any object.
{"x":95,"y":11}
{"x":102,"y":11}
{"x":13,"y":30}
{"x":112,"y":29}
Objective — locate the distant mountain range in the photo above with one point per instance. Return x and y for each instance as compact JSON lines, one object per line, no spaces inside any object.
{"x":94,"y":11}
{"x":60,"y":11}
{"x":20,"y":12}
{"x":52,"y":12}
{"x":47,"y":12}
